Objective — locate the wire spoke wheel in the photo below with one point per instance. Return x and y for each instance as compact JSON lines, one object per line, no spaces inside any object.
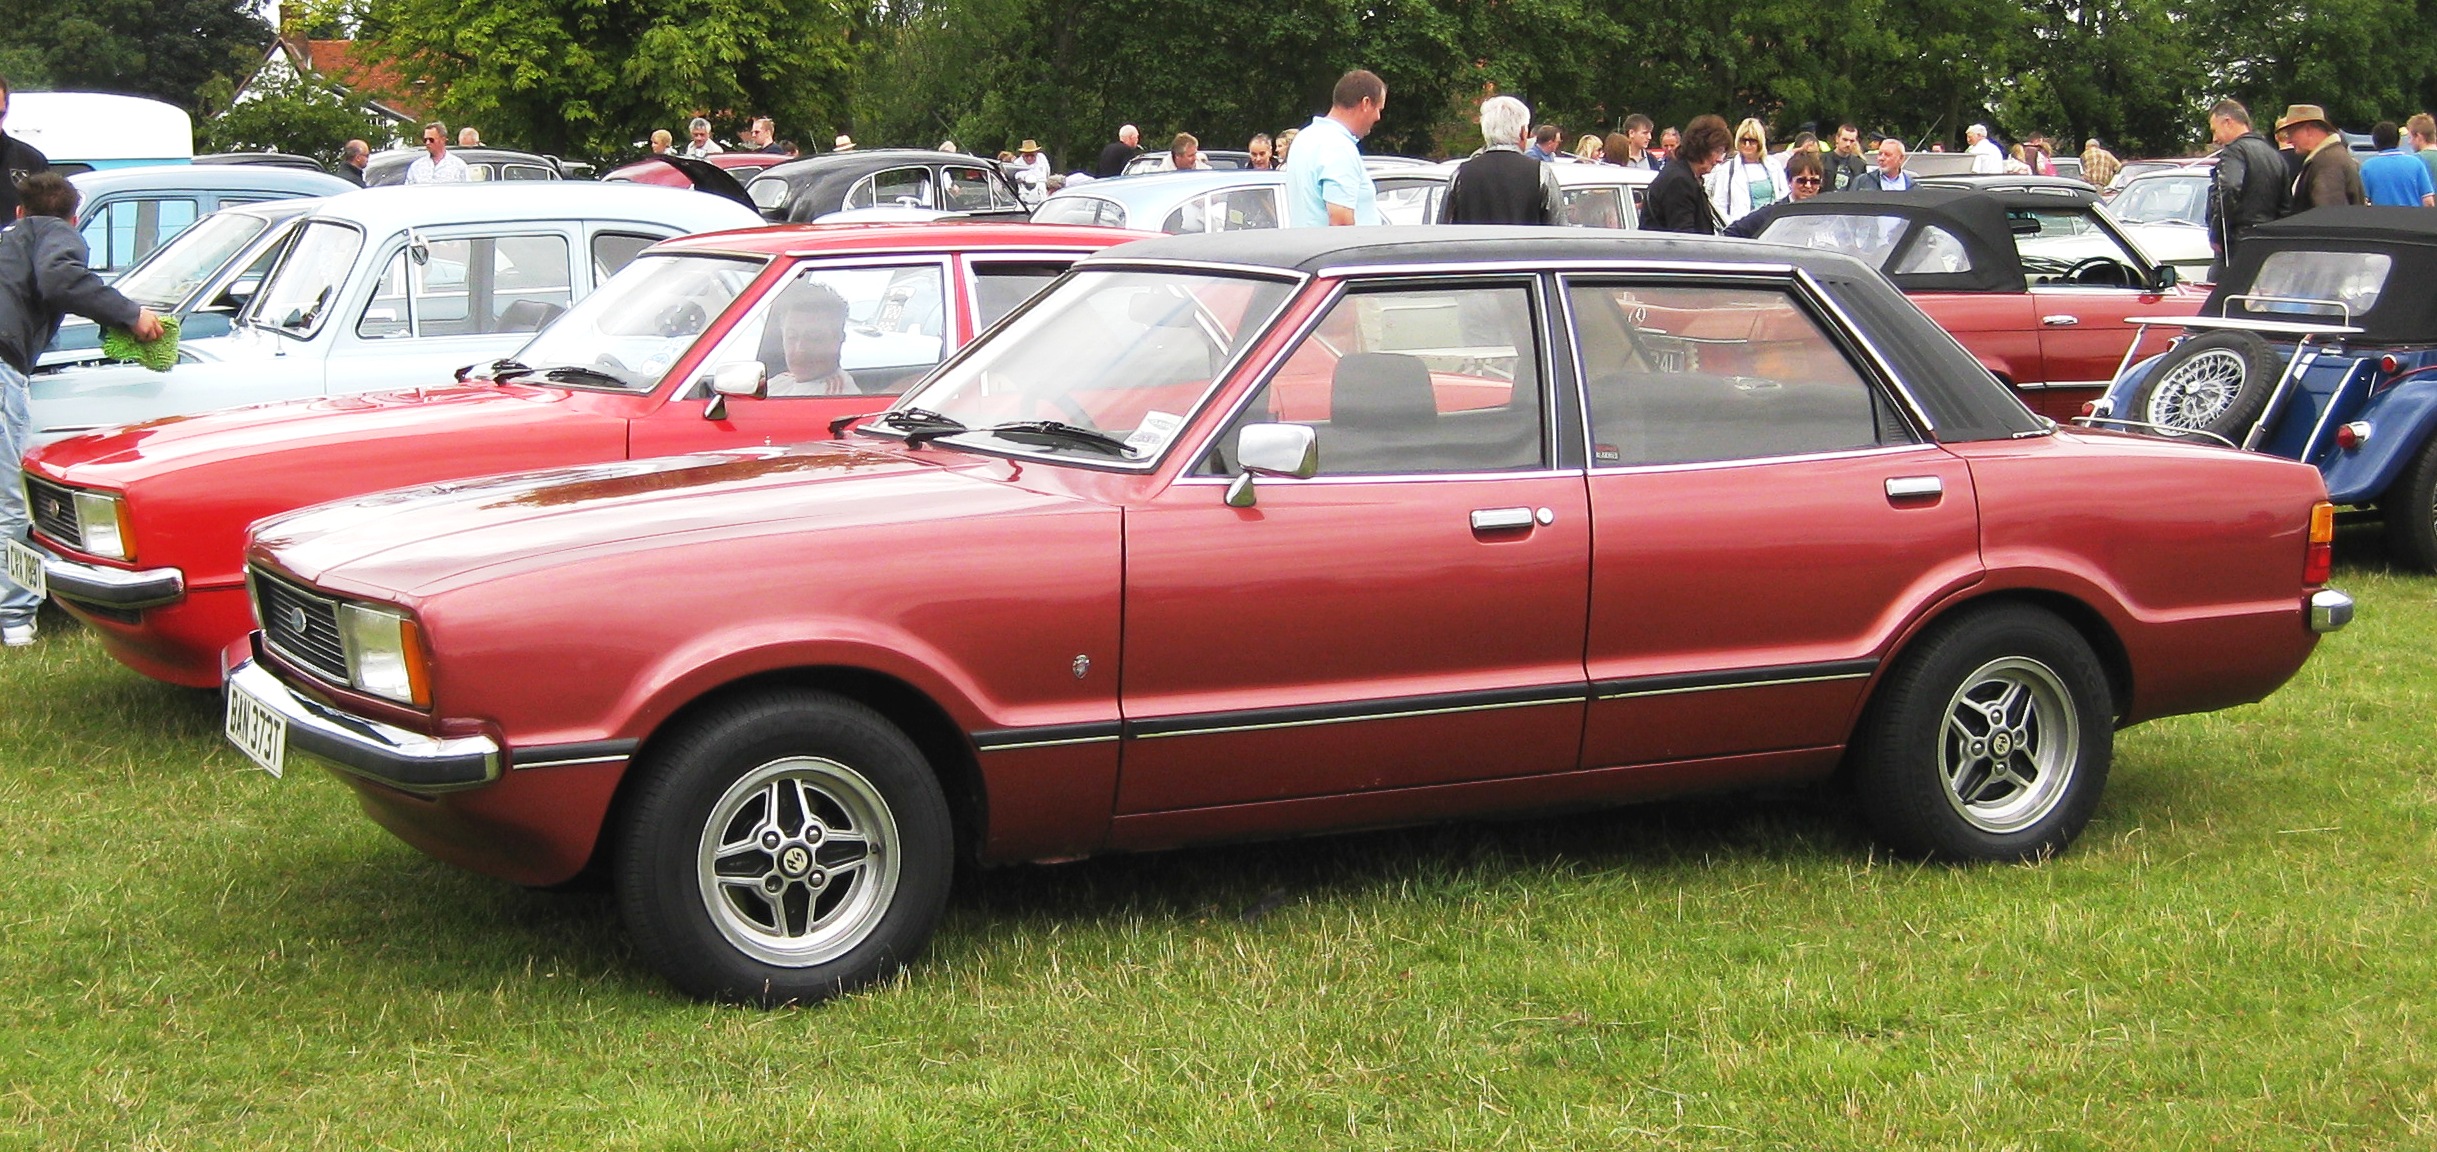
{"x":2197,"y":392}
{"x":2011,"y":745}
{"x":797,"y":861}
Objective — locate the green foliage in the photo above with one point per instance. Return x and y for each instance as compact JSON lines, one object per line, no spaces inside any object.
{"x":591,"y":78}
{"x":168,"y":50}
{"x":292,"y":116}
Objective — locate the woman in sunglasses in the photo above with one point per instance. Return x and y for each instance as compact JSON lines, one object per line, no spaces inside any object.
{"x":1750,"y":179}
{"x":1805,"y":175}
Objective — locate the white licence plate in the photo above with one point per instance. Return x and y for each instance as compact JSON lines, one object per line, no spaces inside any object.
{"x":25,"y":568}
{"x":257,"y":731}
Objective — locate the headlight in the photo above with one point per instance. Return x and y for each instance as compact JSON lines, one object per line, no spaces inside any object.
{"x":384,"y":653}
{"x":101,"y":524}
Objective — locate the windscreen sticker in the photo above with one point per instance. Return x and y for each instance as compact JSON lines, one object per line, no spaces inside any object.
{"x":1156,"y":429}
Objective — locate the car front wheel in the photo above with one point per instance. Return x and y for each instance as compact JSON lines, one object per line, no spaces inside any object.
{"x":1990,"y":739}
{"x":785,"y":848}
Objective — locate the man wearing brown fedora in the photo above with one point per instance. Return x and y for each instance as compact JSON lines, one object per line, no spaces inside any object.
{"x":2330,"y":174}
{"x":1031,"y":171}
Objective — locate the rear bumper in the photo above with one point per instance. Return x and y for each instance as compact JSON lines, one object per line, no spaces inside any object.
{"x":126,"y":589}
{"x":2328,"y":610}
{"x":394,"y":756}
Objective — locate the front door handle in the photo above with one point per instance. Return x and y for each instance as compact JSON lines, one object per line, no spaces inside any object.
{"x":2060,"y":320}
{"x":1508,"y":519}
{"x":1914,"y":487}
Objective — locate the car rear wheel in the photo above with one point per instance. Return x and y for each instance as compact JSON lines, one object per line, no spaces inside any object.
{"x":1990,"y":739}
{"x":785,"y":848}
{"x":2410,"y":510}
{"x":2216,"y":382}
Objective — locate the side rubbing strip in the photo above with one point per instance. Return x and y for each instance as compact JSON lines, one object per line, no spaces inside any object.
{"x":1258,"y":719}
{"x":1733,"y":678}
{"x":561,"y":755}
{"x":1046,"y":736}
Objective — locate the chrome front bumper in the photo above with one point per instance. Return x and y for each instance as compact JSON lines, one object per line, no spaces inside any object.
{"x":111,"y":587}
{"x":368,"y":748}
{"x":2329,"y":610}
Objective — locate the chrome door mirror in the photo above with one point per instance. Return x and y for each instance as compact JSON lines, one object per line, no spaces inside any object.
{"x":746,"y":378}
{"x":1288,"y":450}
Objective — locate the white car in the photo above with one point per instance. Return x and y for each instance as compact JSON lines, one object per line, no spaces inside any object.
{"x":391,"y":288}
{"x":2167,"y":212}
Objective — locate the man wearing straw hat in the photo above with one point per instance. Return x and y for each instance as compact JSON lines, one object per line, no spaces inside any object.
{"x":1031,"y":172}
{"x":2330,"y":174}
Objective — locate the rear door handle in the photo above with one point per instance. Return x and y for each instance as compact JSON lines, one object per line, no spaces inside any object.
{"x":1914,"y":487}
{"x":2060,"y":321}
{"x":1507,"y":519}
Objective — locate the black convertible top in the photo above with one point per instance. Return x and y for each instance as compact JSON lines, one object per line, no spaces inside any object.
{"x":1962,"y":399}
{"x":1977,"y":219}
{"x":2405,"y":307}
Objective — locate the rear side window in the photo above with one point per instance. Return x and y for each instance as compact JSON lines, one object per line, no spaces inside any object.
{"x":613,"y":251}
{"x":1695,"y":374}
{"x":1079,"y":210}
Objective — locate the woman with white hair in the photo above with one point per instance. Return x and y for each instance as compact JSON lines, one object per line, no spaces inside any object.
{"x":1750,"y":179}
{"x":1499,"y":184}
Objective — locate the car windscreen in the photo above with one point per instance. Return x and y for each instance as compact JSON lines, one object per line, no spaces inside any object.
{"x":2162,"y":200}
{"x":1127,"y":355}
{"x":309,"y":279}
{"x":627,"y":333}
{"x":176,"y":269}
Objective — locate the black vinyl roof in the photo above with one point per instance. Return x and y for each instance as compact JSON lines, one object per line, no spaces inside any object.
{"x":2405,"y":311}
{"x":1962,"y":399}
{"x":1976,"y":218}
{"x":817,"y":185}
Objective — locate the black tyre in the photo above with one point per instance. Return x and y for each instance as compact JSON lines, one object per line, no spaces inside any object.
{"x":2216,"y":382}
{"x":1990,"y":739}
{"x":786,"y":848}
{"x":2410,"y":510}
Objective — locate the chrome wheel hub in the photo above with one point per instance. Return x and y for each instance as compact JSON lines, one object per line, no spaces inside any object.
{"x":2197,"y":391}
{"x":797,"y":861}
{"x":2010,"y":746}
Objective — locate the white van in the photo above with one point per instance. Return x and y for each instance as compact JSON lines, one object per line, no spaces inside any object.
{"x":82,"y":131}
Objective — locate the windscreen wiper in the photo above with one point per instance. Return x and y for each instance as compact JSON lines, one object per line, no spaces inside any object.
{"x":919,"y":424}
{"x":578,"y":374}
{"x":1060,"y":432}
{"x":498,"y":371}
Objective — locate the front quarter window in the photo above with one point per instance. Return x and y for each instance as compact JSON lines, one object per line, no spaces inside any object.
{"x":1126,"y":354}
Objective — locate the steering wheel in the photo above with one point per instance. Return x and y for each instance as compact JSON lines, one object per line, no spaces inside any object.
{"x":683,"y":318}
{"x":2120,"y":275}
{"x":609,"y":362}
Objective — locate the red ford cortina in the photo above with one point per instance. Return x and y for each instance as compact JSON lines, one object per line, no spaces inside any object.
{"x":142,"y":529}
{"x":1253,"y":534}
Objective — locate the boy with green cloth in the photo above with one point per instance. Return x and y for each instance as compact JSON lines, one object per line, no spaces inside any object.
{"x":43,"y":277}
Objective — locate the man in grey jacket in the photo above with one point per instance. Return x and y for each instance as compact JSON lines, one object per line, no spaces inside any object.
{"x":43,"y":277}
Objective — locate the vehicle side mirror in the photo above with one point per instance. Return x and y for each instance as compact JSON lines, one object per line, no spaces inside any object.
{"x":1287,"y":450}
{"x":2165,"y":279}
{"x":746,"y":378}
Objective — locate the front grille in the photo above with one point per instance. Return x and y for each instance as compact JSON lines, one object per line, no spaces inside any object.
{"x":54,"y":512}
{"x":301,"y":625}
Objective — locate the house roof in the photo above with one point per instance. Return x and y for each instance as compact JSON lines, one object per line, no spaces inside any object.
{"x":349,"y":64}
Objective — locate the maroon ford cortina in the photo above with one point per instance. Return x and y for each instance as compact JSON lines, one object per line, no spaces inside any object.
{"x":1253,"y":534}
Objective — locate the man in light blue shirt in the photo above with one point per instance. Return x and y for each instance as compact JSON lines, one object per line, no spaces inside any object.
{"x":2394,"y":177}
{"x":1326,"y":183}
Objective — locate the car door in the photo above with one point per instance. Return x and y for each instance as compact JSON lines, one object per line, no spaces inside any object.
{"x":2085,"y":282}
{"x":862,"y":331}
{"x":1411,"y":615}
{"x":1765,"y":511}
{"x":443,"y":298}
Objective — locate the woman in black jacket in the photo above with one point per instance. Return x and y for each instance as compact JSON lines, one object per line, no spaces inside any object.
{"x":1677,"y":201}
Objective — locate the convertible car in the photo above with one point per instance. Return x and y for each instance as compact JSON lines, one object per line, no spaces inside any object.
{"x":140,"y":529}
{"x":2320,"y":346}
{"x":2036,"y":281}
{"x":1266,"y":533}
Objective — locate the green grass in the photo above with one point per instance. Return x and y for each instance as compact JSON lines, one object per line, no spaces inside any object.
{"x":2238,"y":954}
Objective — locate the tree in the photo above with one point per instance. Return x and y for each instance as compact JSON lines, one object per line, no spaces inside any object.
{"x":590,"y":78}
{"x":168,"y":50}
{"x":295,"y":115}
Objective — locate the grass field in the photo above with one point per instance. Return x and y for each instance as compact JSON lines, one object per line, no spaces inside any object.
{"x":2239,"y":954}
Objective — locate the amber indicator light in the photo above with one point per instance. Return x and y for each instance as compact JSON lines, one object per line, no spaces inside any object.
{"x":418,"y":678}
{"x":2319,"y":560}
